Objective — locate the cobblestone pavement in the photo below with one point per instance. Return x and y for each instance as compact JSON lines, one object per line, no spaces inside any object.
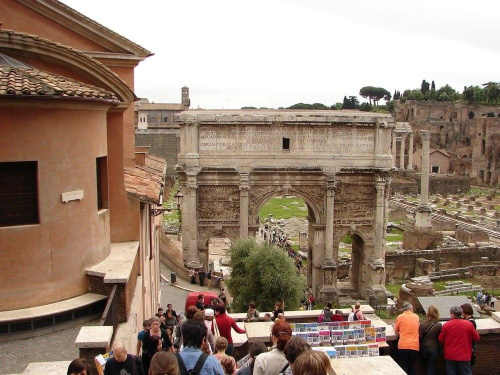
{"x":171,"y":294}
{"x":58,"y":346}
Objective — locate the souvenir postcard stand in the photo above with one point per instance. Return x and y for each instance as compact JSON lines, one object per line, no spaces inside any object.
{"x":342,"y":339}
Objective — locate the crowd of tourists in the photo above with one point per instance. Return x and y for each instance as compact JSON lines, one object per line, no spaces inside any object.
{"x":458,"y":338}
{"x":279,"y":239}
{"x":201,"y":343}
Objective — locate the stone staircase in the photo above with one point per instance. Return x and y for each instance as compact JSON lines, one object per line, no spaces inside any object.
{"x":455,"y":287}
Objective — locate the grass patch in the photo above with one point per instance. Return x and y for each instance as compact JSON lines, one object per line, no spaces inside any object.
{"x":347,"y":239}
{"x":393,"y":288}
{"x":173,"y":217}
{"x":395,"y":235}
{"x":295,"y":247}
{"x":283,"y":208}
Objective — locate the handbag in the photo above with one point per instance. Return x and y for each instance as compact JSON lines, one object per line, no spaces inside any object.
{"x":321,"y":317}
{"x":216,"y":330}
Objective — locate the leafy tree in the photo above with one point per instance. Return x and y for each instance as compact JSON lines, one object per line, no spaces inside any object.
{"x":366,"y":107}
{"x":451,"y":94}
{"x":424,"y":87}
{"x":374,"y":94}
{"x":248,"y":108}
{"x":433,"y":86}
{"x":336,"y":106}
{"x":319,"y":106}
{"x":390,"y":106}
{"x":492,"y":91}
{"x":468,"y":94}
{"x":301,"y":106}
{"x":263,"y":274}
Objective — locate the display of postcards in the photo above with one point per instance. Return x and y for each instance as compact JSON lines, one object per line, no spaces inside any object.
{"x":324,"y":336}
{"x":337,"y":337}
{"x":323,"y":327}
{"x":360,"y":336}
{"x":329,"y":350}
{"x":355,"y":325}
{"x":292,"y":326}
{"x":344,"y":325}
{"x":313,"y":338}
{"x":380,"y":334}
{"x":333,"y":325}
{"x":366,"y":323}
{"x":300,"y":327}
{"x":362,"y":350}
{"x":349,"y":337}
{"x":370,"y":334}
{"x":341,"y":351}
{"x":373,"y":350}
{"x":302,"y":335}
{"x":312,"y":327}
{"x":351,"y":351}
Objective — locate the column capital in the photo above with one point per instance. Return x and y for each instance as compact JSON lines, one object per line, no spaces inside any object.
{"x":411,"y":135}
{"x":380,"y":184}
{"x":426,"y":134}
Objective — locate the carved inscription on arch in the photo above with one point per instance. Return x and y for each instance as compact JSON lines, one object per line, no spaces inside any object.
{"x":258,"y":139}
{"x":218,"y":202}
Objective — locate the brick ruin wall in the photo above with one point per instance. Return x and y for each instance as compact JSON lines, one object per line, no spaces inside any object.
{"x":164,"y":143}
{"x":468,"y":132}
{"x":405,"y":261}
{"x":406,"y":182}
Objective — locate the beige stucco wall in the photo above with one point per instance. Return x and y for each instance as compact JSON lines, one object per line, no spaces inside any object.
{"x":435,"y":158}
{"x":45,"y":263}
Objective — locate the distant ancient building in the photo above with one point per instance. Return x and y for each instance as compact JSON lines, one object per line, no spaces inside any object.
{"x":157,"y":115}
{"x":439,"y":161}
{"x":469,"y":133}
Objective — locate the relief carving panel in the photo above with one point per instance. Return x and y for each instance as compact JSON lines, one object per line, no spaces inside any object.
{"x":218,"y":202}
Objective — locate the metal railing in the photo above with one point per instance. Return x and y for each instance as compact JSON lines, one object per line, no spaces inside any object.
{"x":110,"y":314}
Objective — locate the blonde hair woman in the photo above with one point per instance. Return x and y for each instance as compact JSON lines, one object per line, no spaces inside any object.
{"x":429,"y":346}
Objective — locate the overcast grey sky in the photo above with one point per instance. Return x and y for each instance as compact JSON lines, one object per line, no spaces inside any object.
{"x":273,"y":53}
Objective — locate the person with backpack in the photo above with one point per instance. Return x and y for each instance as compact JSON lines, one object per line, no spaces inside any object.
{"x":468,"y":314}
{"x":192,"y":361}
{"x":356,"y":313}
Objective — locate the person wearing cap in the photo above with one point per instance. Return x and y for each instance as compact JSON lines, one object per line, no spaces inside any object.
{"x":407,"y":325}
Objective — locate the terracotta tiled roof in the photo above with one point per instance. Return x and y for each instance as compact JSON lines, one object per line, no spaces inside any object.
{"x":146,"y":183}
{"x":160,"y":107}
{"x":8,"y":34}
{"x":103,"y":28}
{"x":18,"y":81}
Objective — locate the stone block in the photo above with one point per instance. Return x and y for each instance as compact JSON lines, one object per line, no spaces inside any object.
{"x":489,"y":197}
{"x":479,"y":204}
{"x":446,"y":202}
{"x":471,"y":236}
{"x":470,"y":208}
{"x":424,"y":266}
{"x":491,"y":207}
{"x":443,"y":266}
{"x":418,"y":240}
{"x":483,"y":211}
{"x":458,"y":205}
{"x":497,"y":215}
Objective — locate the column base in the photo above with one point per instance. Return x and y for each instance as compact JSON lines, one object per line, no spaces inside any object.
{"x":194,"y":263}
{"x":423,"y":220}
{"x":329,"y":293}
{"x":378,"y":294}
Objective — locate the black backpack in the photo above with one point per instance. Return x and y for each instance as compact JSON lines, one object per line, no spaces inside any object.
{"x":197,"y":367}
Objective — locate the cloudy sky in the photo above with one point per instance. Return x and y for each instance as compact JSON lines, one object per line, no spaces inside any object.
{"x":234,"y":53}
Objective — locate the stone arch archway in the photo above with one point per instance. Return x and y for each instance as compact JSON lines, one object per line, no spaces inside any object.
{"x":259,"y":195}
{"x":230,"y":164}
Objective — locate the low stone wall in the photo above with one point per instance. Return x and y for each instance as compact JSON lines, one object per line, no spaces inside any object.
{"x":437,"y":184}
{"x":405,"y":261}
{"x":486,"y":356}
{"x":416,"y":240}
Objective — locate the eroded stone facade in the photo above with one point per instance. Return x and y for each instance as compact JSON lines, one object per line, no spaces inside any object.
{"x":232,"y":162}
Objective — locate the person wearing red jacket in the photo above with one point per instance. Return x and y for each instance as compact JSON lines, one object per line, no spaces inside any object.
{"x":457,"y":336}
{"x":224,"y":324}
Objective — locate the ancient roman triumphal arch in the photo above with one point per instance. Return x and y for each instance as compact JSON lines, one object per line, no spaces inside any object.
{"x":232,"y":162}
